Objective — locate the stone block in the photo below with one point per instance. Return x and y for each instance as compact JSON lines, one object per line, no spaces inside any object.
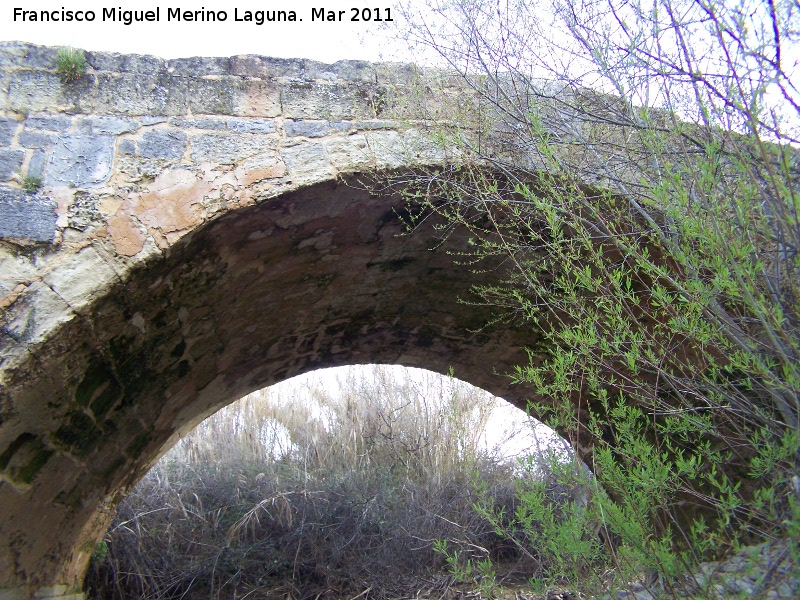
{"x":107,"y":125}
{"x":328,"y":100}
{"x":81,"y":278}
{"x":306,"y":128}
{"x":55,"y":123}
{"x":26,"y":217}
{"x":230,"y":149}
{"x":218,"y":96}
{"x":10,"y":162}
{"x":41,"y":91}
{"x":217,"y":124}
{"x":13,"y":594}
{"x":307,"y":163}
{"x":35,"y":139}
{"x":35,"y":314}
{"x":17,"y":268}
{"x":80,"y":160}
{"x":126,"y":147}
{"x":341,"y":126}
{"x":421,"y":148}
{"x":260,"y":98}
{"x":36,"y":166}
{"x":388,"y":148}
{"x":348,"y":153}
{"x":152,"y":120}
{"x":53,"y":591}
{"x":7,"y":129}
{"x":374,"y":124}
{"x":163,"y":143}
{"x":251,"y":125}
{"x":133,"y":94}
{"x":197,"y":65}
{"x":347,"y":70}
{"x":250,"y":65}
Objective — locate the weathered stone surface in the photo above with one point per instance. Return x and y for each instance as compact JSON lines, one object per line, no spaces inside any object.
{"x":35,"y":315}
{"x":190,"y":67}
{"x":80,"y":160}
{"x":212,"y":96}
{"x":163,"y":144}
{"x":127,"y":147}
{"x":331,"y":101}
{"x":134,"y":94}
{"x":42,"y":91}
{"x":306,"y":163}
{"x":251,"y":125}
{"x":36,"y":166}
{"x":10,"y":162}
{"x":211,"y":233}
{"x":307,"y":128}
{"x":35,"y":139}
{"x":348,"y":153}
{"x":217,"y":124}
{"x":224,"y":149}
{"x":7,"y":129}
{"x":56,"y":123}
{"x":26,"y":217}
{"x":82,"y":279}
{"x":389,"y":149}
{"x":107,"y":125}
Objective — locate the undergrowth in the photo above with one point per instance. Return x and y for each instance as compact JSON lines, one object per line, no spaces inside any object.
{"x":334,"y":497}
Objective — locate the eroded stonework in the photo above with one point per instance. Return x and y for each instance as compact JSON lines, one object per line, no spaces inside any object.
{"x":204,"y":228}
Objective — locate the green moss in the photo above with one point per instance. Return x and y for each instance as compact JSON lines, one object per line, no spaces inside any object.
{"x":106,"y":399}
{"x":26,"y":473}
{"x":96,"y":375}
{"x":135,"y":448}
{"x":12,"y":449}
{"x":115,"y":465}
{"x":177,"y":351}
{"x":31,"y":455}
{"x":79,"y":435}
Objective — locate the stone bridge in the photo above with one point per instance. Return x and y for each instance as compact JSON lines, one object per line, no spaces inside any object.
{"x":203,"y":228}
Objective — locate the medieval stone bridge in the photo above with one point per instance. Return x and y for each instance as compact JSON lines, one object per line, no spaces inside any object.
{"x":203,"y":229}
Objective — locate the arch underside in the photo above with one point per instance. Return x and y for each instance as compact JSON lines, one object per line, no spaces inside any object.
{"x":316,"y":278}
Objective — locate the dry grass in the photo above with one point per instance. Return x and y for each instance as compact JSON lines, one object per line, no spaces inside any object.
{"x":339,"y":495}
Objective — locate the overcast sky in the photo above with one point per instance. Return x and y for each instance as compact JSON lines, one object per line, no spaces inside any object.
{"x":326,"y":41}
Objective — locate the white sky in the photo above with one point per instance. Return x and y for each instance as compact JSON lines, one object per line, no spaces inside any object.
{"x":322,"y":41}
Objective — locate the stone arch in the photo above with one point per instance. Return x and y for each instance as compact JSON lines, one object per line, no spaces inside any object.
{"x":321,"y":276}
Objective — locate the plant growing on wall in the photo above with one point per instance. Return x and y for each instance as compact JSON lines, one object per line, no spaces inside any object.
{"x":70,"y":64}
{"x":31,"y":183}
